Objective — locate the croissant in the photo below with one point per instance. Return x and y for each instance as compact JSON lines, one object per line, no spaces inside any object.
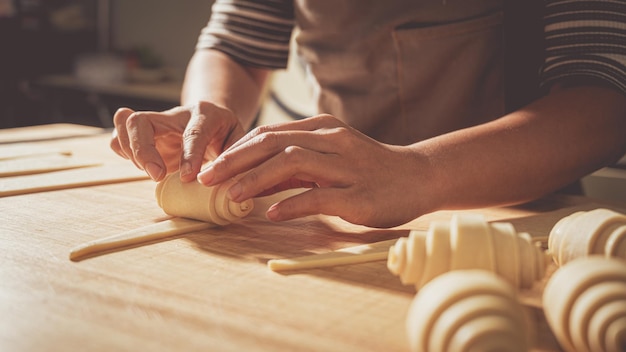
{"x":467,"y":310}
{"x":585,"y":304}
{"x":467,"y":242}
{"x":196,"y":201}
{"x":599,"y":231}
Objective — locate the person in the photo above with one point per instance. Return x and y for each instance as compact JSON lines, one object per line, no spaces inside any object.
{"x":411,"y":96}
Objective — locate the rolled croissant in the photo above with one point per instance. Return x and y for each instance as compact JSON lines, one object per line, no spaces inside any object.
{"x":195,"y":201}
{"x":585,"y":304}
{"x":467,"y":242}
{"x":600,"y":231}
{"x":467,"y":310}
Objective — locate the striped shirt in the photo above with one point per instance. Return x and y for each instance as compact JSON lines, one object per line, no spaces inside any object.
{"x":253,"y":32}
{"x":585,"y":39}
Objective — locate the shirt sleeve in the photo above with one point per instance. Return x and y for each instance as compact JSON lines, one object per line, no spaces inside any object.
{"x":253,"y":32}
{"x":585,"y":39}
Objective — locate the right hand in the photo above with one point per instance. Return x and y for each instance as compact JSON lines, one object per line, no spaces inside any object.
{"x":180,"y":138}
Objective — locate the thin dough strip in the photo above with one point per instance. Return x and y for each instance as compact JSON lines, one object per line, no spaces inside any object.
{"x":66,"y":179}
{"x":28,"y":151}
{"x":351,"y":255}
{"x":160,"y":230}
{"x":41,"y":164}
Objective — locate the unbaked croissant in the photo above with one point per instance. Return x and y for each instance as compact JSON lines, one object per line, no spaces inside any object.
{"x":196,"y":201}
{"x":467,"y":242}
{"x":585,"y":304}
{"x":467,"y":310}
{"x":600,"y":231}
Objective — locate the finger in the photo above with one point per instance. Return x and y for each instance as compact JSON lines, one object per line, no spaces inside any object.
{"x":308,"y":124}
{"x":122,"y":147}
{"x":255,"y":151}
{"x":141,"y":135}
{"x":292,"y":183}
{"x":207,"y":131}
{"x":115,"y":144}
{"x":328,"y":201}
{"x":294,"y":163}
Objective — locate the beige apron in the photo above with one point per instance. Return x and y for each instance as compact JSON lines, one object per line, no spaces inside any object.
{"x":404,"y":71}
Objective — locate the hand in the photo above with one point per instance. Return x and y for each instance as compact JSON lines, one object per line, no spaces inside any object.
{"x":180,"y":138}
{"x":349,"y":174}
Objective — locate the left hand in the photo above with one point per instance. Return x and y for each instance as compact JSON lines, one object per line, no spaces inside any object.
{"x":349,"y":174}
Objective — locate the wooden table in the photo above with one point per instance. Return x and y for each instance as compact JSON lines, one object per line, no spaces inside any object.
{"x":209,"y":290}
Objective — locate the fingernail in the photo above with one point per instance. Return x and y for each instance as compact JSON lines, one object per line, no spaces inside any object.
{"x":205,"y":176}
{"x":235,"y":191}
{"x":273,"y":213}
{"x":153,"y":170}
{"x":185,"y":169}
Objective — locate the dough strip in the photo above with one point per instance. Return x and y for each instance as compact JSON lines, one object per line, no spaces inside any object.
{"x":39,"y":165}
{"x":73,"y":178}
{"x":160,"y":230}
{"x":364,"y":253}
{"x":27,"y":151}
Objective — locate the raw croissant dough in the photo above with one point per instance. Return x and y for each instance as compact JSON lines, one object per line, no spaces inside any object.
{"x":187,"y":200}
{"x":142,"y":235}
{"x":585,"y":304}
{"x":600,"y":231}
{"x":467,"y":242}
{"x":467,"y":310}
{"x":195,"y":201}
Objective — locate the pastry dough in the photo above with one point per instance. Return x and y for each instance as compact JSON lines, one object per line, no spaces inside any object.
{"x":83,"y":177}
{"x":41,"y":164}
{"x":195,"y":201}
{"x":150,"y":233}
{"x":585,"y":304}
{"x":467,"y":310}
{"x":352,"y":255}
{"x":600,"y":231}
{"x":467,"y":242}
{"x":47,"y":132}
{"x":25,"y":150}
{"x":188,"y":200}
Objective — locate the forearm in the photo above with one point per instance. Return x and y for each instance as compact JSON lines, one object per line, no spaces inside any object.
{"x":528,"y":153}
{"x":212,"y":76}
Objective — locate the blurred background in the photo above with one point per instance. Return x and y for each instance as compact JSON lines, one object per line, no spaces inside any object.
{"x":78,"y":60}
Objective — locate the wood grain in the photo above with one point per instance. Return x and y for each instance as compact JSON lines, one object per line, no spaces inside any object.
{"x":91,"y":149}
{"x":363,"y":253}
{"x":26,"y":150}
{"x":46,"y":132}
{"x":41,"y":164}
{"x":104,"y":174}
{"x":138,"y":237}
{"x":205,"y":290}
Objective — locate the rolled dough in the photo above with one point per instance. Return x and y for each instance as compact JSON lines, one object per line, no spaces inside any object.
{"x":190,"y":202}
{"x":195,"y":201}
{"x":599,"y":231}
{"x":467,"y":310}
{"x":468,"y":242}
{"x":585,"y":304}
